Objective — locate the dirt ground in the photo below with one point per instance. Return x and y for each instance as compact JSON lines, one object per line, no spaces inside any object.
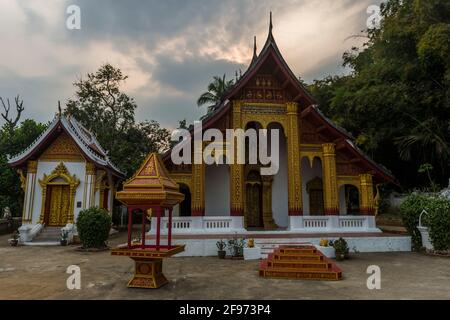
{"x":40,"y":273}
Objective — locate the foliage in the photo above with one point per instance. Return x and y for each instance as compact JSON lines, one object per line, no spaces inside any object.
{"x":437,"y":220}
{"x":216,"y":90}
{"x":236,"y":247}
{"x":93,"y":227}
{"x":340,"y":245}
{"x":14,"y":140}
{"x":103,"y":109}
{"x":221,"y":245}
{"x":396,"y":100}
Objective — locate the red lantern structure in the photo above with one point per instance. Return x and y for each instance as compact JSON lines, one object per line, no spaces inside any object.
{"x":151,"y":191}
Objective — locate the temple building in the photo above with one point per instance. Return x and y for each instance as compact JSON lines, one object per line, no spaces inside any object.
{"x":325,"y":184}
{"x":64,"y":171}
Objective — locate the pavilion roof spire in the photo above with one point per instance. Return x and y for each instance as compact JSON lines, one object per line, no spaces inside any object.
{"x":255,"y":55}
{"x":270,"y":27}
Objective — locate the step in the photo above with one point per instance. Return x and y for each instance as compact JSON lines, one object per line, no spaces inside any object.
{"x":310,"y":265}
{"x":295,"y":251}
{"x":290,"y":257}
{"x":331,"y":275}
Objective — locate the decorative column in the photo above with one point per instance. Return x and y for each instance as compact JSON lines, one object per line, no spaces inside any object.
{"x":30,"y":183}
{"x":366,"y":194}
{"x":198,"y":192}
{"x":236,"y":170}
{"x":269,"y":223}
{"x":294,"y":177}
{"x":90,"y":185}
{"x":330,"y":189}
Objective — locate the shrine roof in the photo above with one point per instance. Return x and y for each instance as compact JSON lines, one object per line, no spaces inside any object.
{"x":83,"y":138}
{"x":150,"y":184}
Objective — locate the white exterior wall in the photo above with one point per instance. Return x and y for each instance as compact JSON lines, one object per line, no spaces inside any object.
{"x":46,"y":167}
{"x":217,"y":190}
{"x":280,"y":205}
{"x":308,"y":174}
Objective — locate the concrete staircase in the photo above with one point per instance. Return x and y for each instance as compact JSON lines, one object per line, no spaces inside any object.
{"x":48,"y":236}
{"x":299,"y":262}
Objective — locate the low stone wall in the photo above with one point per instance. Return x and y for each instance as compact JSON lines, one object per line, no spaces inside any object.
{"x":8,"y":226}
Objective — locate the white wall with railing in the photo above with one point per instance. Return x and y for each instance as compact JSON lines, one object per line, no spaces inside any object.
{"x":297,"y":224}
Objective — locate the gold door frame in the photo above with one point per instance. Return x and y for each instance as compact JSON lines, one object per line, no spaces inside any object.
{"x":59,"y":172}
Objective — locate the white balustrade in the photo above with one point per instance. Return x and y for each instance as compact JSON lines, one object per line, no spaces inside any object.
{"x":231,"y":225}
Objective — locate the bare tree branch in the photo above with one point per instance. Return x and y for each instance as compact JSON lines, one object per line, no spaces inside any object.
{"x":7,"y":106}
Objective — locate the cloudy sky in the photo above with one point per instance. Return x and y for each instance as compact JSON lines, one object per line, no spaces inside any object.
{"x":169,"y":49}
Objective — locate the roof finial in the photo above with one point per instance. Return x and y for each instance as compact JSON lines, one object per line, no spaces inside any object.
{"x":254,"y":46}
{"x":270,"y":24}
{"x":59,"y":108}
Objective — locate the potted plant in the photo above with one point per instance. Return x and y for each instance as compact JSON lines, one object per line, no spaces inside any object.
{"x":64,"y":237}
{"x":15,"y":239}
{"x":236,"y":247}
{"x":221,"y":246}
{"x":341,"y":248}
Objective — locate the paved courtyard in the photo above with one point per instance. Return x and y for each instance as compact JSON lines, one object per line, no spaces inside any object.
{"x":40,"y":273}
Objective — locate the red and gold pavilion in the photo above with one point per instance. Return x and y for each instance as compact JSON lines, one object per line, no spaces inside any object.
{"x":153,"y":193}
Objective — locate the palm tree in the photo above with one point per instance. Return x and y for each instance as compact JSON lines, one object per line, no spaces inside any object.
{"x":216,"y":90}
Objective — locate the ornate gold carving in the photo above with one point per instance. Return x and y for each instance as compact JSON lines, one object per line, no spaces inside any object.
{"x":32,"y":166}
{"x":182,"y":178}
{"x":63,"y":148}
{"x":294,"y":161}
{"x":90,"y":168}
{"x":366,"y":194}
{"x":198,"y":191}
{"x":237,"y":170}
{"x":23,"y":179}
{"x":269,"y":222}
{"x":329,"y":179}
{"x":65,"y":178}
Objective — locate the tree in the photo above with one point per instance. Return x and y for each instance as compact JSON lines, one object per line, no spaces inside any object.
{"x":103,"y":109}
{"x":13,"y":140}
{"x":10,"y":123}
{"x":396,"y":100}
{"x":216,"y":90}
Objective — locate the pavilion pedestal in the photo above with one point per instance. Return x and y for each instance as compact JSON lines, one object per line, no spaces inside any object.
{"x":148,"y":264}
{"x":147,"y":273}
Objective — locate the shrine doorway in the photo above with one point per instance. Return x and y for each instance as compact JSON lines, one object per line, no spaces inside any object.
{"x":253,"y":205}
{"x":57,"y":205}
{"x":185,"y":205}
{"x":315,"y":192}
{"x":349,"y":200}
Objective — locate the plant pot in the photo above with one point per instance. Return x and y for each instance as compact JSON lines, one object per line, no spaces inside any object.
{"x":63,"y":242}
{"x":13,"y":242}
{"x":340,"y":256}
{"x":221,"y":254}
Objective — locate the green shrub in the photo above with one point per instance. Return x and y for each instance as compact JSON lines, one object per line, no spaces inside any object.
{"x":93,"y":227}
{"x":438,"y":219}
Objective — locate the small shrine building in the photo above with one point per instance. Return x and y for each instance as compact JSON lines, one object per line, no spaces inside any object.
{"x":64,"y":171}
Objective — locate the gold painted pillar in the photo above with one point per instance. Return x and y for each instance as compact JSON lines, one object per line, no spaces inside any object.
{"x":269,"y":223}
{"x":366,"y":194}
{"x":331,"y":202}
{"x":198,"y":192}
{"x":30,"y":186}
{"x":294,"y":177}
{"x":237,"y":170}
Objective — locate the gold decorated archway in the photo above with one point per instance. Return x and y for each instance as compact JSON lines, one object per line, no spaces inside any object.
{"x":65,"y":178}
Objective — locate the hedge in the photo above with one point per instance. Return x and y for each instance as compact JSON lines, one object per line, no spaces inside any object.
{"x":93,"y":227}
{"x":437,"y":220}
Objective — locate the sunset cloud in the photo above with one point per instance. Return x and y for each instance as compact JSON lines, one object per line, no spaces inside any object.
{"x":169,"y":49}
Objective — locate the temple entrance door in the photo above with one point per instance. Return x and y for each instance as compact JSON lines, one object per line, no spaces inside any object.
{"x":315,"y":191}
{"x":57,"y":205}
{"x":253,"y":192}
